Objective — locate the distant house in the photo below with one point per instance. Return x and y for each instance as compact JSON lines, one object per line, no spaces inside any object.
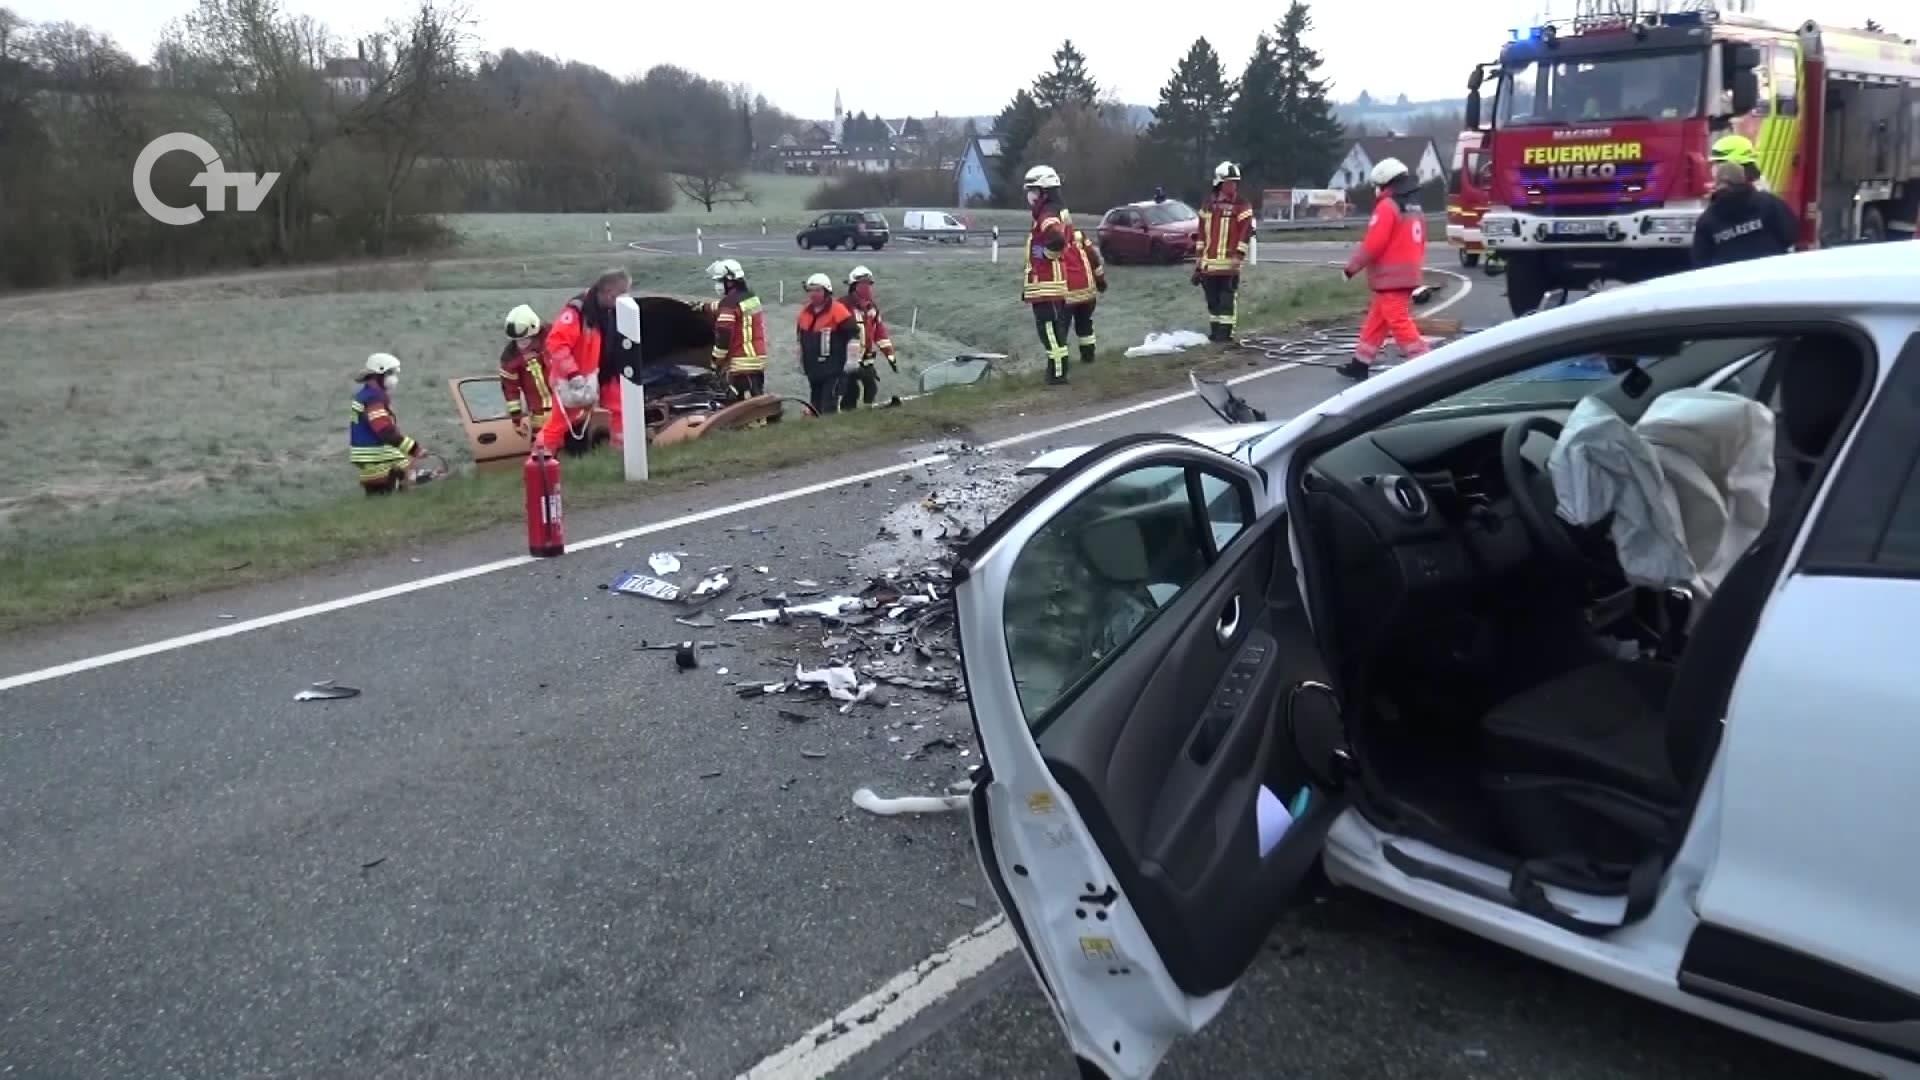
{"x":349,"y":77}
{"x":829,"y":158}
{"x":816,"y":135}
{"x":1417,"y":152}
{"x":973,"y":177}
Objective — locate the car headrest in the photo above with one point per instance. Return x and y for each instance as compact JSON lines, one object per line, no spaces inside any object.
{"x":1819,"y":377}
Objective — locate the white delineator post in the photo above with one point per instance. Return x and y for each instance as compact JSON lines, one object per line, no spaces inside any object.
{"x":1253,"y":251}
{"x":633,"y":413}
{"x":609,"y":227}
{"x":996,"y":243}
{"x":763,"y":226}
{"x":699,"y":241}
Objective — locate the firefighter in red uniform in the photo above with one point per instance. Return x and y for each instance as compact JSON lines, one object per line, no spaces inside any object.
{"x":1045,"y":289}
{"x":1393,"y":253}
{"x":739,"y":331}
{"x":863,"y":381}
{"x":1226,"y":235}
{"x":1086,"y":279}
{"x":580,"y":359}
{"x":523,"y":372}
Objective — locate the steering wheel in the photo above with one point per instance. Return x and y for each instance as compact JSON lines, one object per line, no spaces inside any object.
{"x":1535,"y":508}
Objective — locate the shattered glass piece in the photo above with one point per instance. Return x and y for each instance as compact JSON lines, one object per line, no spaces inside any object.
{"x":663,"y":563}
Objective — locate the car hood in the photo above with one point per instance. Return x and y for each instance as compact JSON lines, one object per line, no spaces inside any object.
{"x":1227,"y":439}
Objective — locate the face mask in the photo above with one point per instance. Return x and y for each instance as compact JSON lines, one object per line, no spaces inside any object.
{"x":390,"y":381}
{"x":719,"y":288}
{"x":1033,"y":198}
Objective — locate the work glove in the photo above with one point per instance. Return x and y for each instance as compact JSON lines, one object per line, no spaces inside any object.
{"x":893,"y":363}
{"x":520,"y":426}
{"x":1100,"y":285}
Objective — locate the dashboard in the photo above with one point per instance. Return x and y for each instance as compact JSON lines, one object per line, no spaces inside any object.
{"x":1429,"y":498}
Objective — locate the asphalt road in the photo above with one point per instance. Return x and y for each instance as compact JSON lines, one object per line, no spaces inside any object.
{"x":533,"y":847}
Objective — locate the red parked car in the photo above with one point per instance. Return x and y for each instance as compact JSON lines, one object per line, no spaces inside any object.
{"x":1150,"y":231}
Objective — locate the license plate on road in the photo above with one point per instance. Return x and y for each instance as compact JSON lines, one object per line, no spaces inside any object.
{"x":1579,"y":228}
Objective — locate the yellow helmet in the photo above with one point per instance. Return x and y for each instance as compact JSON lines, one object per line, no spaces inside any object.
{"x":1736,"y":149}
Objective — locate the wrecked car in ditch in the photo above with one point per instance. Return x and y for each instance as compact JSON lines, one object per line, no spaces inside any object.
{"x":672,"y":346}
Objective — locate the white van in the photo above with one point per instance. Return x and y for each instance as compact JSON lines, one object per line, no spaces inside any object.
{"x":934,"y":225}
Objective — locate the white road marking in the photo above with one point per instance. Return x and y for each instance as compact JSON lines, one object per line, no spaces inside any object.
{"x":857,"y":1027}
{"x":263,"y":622}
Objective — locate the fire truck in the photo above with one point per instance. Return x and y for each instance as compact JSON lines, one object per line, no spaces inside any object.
{"x":1467,"y":190}
{"x":1601,"y":127}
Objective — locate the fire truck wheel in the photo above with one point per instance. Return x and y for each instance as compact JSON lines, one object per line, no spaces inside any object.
{"x":1527,"y":284}
{"x":1469,"y":259}
{"x":1873,"y":226}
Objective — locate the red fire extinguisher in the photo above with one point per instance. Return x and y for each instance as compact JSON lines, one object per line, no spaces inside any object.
{"x":546,"y":535}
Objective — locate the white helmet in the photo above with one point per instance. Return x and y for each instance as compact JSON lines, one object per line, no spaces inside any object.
{"x":1225,"y":171}
{"x":820,"y":281}
{"x":382,"y":364}
{"x":1387,"y":172}
{"x":522,"y":323}
{"x":1042,"y":176}
{"x":725,"y":270}
{"x":859,"y":273}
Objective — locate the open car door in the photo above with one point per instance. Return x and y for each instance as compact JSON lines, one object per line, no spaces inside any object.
{"x":1163,"y":745}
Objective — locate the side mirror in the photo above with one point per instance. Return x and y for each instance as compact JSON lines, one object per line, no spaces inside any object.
{"x":1473,"y":108}
{"x":1474,"y":80}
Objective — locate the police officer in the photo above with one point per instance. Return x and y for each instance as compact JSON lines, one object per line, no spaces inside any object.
{"x":1741,"y":222}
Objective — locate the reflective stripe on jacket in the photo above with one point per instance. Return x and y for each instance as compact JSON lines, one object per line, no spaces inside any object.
{"x":1394,"y":250}
{"x":374,"y":442}
{"x":524,"y":376}
{"x":1226,"y":231}
{"x":1046,"y":259}
{"x":740,"y":334}
{"x":1084,"y":267}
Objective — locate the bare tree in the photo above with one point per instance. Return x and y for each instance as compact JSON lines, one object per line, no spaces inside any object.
{"x":419,"y":93}
{"x":11,"y":25}
{"x":711,"y":177}
{"x":96,"y":130}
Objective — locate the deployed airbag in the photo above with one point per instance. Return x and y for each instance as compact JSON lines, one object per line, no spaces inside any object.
{"x":1687,"y":487}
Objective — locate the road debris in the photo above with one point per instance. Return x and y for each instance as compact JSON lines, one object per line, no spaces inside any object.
{"x":841,"y":681}
{"x":794,"y":717}
{"x":712,"y":585}
{"x":813,"y":755}
{"x":832,"y":606}
{"x":698,"y":622}
{"x":684,"y":657}
{"x":326,"y":691}
{"x":713,"y":774}
{"x":866,"y":800}
{"x":664,"y":563}
{"x":644,"y":585}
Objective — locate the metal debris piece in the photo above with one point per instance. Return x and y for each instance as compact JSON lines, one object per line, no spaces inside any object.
{"x":832,"y":606}
{"x":713,"y":774}
{"x":805,"y":584}
{"x":813,"y":755}
{"x":663,"y":563}
{"x":699,"y":622}
{"x":720,"y":671}
{"x":713,"y":585}
{"x":684,"y":657}
{"x":794,"y":717}
{"x":761,"y":570}
{"x":643,"y":585}
{"x":866,"y":800}
{"x":326,"y":691}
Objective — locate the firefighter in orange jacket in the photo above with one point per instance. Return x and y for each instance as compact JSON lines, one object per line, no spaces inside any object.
{"x":1086,"y":280}
{"x":739,"y":330}
{"x":579,"y":357}
{"x":863,"y":380}
{"x":1045,"y":289}
{"x":523,"y":372}
{"x":1393,"y":255}
{"x":1226,"y":234}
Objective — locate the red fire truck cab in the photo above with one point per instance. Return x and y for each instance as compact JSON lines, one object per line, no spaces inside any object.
{"x":1468,"y":186}
{"x":1601,"y":126}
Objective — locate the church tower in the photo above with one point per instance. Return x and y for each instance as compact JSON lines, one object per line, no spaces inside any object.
{"x":839,"y":119}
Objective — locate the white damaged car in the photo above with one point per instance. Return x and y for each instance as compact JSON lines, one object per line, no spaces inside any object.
{"x":1589,"y":634}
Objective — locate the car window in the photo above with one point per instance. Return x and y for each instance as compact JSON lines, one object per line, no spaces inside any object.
{"x":484,"y":399}
{"x":874,"y":219}
{"x":1563,"y":381}
{"x":823,"y":219}
{"x":1087,"y":584}
{"x":1170,"y":213}
{"x":947,"y":220}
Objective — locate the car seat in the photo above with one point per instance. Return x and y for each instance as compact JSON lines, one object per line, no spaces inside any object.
{"x":1602,"y":764}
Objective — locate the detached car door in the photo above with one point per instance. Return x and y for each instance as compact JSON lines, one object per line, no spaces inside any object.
{"x":1150,"y":701}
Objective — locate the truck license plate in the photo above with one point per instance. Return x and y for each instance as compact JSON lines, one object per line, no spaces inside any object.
{"x":1579,"y":228}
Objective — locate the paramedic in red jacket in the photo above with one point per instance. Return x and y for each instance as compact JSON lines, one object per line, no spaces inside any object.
{"x":581,"y":362}
{"x":1393,"y":255}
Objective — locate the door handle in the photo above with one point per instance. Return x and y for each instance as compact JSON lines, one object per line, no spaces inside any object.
{"x":488,"y":438}
{"x":1229,"y":622}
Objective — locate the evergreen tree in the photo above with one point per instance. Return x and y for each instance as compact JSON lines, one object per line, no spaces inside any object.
{"x":1068,"y":83}
{"x":913,"y":129}
{"x":1017,"y":124}
{"x":1313,"y":134}
{"x":1254,"y":127}
{"x":1189,"y":124}
{"x":746,"y":130}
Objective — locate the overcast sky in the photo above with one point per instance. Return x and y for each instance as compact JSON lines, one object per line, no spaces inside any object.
{"x":958,"y":58}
